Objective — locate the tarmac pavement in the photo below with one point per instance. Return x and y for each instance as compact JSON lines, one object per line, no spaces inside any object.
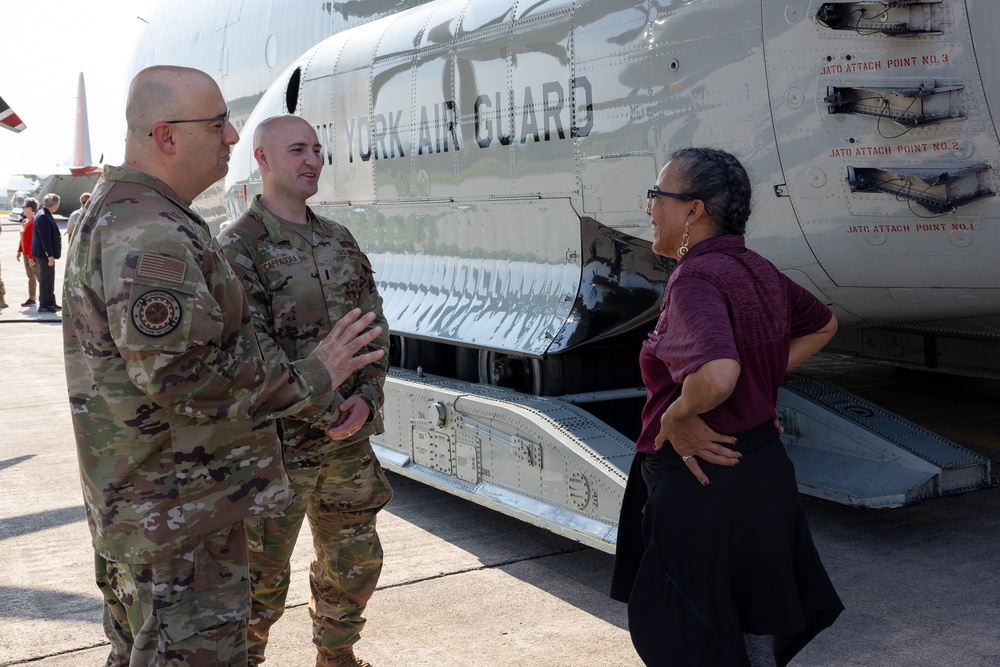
{"x":463,"y":585}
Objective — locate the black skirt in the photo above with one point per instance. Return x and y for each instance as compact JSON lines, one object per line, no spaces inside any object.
{"x":714,"y":562}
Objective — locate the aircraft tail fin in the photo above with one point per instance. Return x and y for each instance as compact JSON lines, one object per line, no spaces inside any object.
{"x":9,"y":119}
{"x":81,"y":136}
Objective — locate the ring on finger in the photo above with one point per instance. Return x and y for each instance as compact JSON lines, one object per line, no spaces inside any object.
{"x":685,"y":458}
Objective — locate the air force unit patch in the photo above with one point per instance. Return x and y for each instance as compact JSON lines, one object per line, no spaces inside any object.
{"x":156,"y":313}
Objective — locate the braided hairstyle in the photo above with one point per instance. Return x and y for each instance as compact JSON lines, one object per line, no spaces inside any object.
{"x":718,"y":179}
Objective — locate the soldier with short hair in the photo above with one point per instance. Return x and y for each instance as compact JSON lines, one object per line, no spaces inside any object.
{"x":302,"y":273}
{"x":172,"y":398}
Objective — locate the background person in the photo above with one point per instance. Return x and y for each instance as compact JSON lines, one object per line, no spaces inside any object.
{"x":46,"y":248}
{"x":28,"y":211}
{"x":3,"y":291}
{"x":75,"y":216}
{"x":171,"y":396}
{"x":725,"y":571}
{"x":302,"y":273}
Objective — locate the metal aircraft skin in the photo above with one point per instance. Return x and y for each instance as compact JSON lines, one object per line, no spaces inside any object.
{"x":492,"y":157}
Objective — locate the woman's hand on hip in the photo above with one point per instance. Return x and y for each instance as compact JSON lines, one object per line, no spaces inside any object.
{"x":693,"y":439}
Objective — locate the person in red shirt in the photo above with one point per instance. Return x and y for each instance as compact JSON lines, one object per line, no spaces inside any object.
{"x":714,"y":554}
{"x":28,"y":211}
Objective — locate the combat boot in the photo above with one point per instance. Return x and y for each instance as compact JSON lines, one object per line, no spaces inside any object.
{"x":341,"y":657}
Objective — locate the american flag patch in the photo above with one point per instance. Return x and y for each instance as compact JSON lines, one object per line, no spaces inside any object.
{"x":158,"y":267}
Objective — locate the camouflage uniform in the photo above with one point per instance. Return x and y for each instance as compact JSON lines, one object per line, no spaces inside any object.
{"x":164,"y":374}
{"x":301,"y":279}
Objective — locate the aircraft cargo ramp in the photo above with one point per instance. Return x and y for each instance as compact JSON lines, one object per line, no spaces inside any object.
{"x":539,"y":459}
{"x":851,"y":451}
{"x":552,"y":464}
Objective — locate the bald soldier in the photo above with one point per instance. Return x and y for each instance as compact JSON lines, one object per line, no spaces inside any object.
{"x":172,"y":399}
{"x":303,"y":273}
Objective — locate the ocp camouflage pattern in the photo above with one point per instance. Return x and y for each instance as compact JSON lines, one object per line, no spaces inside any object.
{"x":171,"y":398}
{"x":299,"y":284}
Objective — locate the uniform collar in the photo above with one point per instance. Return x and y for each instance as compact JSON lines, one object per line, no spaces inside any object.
{"x":125,"y":175}
{"x":283,"y":231}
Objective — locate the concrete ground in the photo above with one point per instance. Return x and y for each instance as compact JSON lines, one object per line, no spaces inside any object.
{"x":463,"y":585}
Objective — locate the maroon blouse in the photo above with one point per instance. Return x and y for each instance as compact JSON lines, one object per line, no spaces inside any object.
{"x":724,"y":301}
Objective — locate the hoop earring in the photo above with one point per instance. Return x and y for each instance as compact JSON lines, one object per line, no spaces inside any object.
{"x":684,"y":239}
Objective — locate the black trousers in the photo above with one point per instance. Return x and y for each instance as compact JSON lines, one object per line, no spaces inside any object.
{"x":46,"y":284}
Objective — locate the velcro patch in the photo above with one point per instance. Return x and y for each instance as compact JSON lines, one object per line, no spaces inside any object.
{"x":156,"y":313}
{"x":160,"y":268}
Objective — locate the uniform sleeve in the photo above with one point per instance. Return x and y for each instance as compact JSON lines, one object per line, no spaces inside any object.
{"x":238,"y":250}
{"x":808,"y":314}
{"x":369,"y":380}
{"x":698,"y":328}
{"x":182,"y":325}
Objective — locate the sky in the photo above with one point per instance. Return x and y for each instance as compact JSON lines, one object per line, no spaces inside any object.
{"x":39,"y":79}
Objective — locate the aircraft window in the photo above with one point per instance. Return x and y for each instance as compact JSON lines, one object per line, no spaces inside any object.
{"x":292,"y":92}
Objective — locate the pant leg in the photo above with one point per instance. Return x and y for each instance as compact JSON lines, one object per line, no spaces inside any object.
{"x":271,"y":540}
{"x":350,"y":491}
{"x":115,"y":614}
{"x":32,"y":273}
{"x":190,"y":610}
{"x":46,"y":284}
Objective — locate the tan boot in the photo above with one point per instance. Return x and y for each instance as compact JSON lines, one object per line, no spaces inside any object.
{"x":342,"y":657}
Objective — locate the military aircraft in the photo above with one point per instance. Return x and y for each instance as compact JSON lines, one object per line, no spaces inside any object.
{"x":492,"y":157}
{"x":67,"y":181}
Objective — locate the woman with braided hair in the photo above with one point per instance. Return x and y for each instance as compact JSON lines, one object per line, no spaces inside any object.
{"x":715,"y":557}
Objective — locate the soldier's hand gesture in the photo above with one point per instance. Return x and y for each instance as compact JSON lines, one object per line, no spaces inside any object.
{"x":348,"y":336}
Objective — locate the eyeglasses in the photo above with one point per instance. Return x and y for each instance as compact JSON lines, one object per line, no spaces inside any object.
{"x":651,"y":196}
{"x":223,"y":118}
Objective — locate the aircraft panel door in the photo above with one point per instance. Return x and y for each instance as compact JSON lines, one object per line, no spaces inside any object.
{"x":540,"y":93}
{"x":481,"y":76}
{"x":887,"y":148}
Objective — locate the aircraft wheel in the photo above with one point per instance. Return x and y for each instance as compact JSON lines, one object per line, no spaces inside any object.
{"x":512,"y":372}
